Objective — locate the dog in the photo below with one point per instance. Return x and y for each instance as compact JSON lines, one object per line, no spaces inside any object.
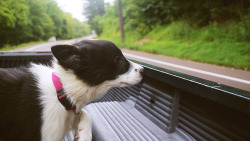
{"x":42,"y":102}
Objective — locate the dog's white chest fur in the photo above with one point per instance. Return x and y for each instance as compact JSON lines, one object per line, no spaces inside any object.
{"x":56,"y":121}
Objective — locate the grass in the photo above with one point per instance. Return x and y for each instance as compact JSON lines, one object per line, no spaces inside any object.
{"x":216,"y":52}
{"x":8,"y":47}
{"x":213,"y":44}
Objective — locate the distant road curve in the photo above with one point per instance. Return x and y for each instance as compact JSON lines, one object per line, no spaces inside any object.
{"x":228,"y":76}
{"x":47,"y":46}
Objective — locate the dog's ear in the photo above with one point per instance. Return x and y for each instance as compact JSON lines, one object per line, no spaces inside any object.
{"x":67,"y":55}
{"x":62,"y":52}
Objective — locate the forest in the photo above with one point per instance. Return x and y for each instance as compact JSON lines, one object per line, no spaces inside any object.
{"x":211,"y":31}
{"x":23,"y":21}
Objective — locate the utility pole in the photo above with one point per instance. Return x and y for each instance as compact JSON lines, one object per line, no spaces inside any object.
{"x":121,"y":20}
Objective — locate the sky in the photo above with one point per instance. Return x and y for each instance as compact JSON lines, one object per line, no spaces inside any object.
{"x":75,"y":7}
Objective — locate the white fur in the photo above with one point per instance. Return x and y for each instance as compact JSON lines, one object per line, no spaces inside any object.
{"x":56,"y":121}
{"x":132,"y":77}
{"x":84,"y":127}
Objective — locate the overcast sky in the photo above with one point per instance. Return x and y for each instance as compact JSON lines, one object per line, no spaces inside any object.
{"x":75,"y":7}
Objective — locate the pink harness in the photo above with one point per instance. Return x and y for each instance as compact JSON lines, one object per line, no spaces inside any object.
{"x":61,"y":95}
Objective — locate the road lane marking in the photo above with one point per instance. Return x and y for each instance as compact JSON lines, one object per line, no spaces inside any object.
{"x":36,"y":47}
{"x":47,"y":44}
{"x":68,"y":42}
{"x":188,"y":68}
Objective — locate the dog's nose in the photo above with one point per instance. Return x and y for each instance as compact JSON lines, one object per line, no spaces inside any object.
{"x":142,"y":71}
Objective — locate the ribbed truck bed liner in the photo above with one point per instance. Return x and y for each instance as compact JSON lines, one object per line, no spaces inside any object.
{"x":120,"y":121}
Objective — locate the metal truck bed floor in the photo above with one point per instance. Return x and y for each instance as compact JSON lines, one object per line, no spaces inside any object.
{"x":70,"y":136}
{"x":120,"y":121}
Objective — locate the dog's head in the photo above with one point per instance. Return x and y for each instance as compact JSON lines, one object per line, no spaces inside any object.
{"x":98,"y":61}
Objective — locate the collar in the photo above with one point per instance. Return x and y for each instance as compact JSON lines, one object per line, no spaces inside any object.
{"x":61,"y":95}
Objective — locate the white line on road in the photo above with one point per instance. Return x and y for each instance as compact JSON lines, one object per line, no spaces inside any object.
{"x":36,"y":47}
{"x":59,"y":42}
{"x":187,"y":68}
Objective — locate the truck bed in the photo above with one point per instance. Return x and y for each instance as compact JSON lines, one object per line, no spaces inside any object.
{"x":166,"y":105}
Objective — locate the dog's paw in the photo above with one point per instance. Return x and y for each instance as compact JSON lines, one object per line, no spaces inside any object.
{"x":84,"y":128}
{"x":84,"y":135}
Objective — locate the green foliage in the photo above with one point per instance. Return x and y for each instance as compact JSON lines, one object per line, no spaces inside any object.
{"x":12,"y":14}
{"x":211,"y":44}
{"x":144,"y":15}
{"x":108,"y":21}
{"x":134,"y":18}
{"x":33,"y":20}
{"x":201,"y":13}
{"x":210,"y":31}
{"x":216,"y":32}
{"x":93,"y":8}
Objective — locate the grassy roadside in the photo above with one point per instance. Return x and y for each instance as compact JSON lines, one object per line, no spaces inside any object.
{"x":11,"y":47}
{"x":213,"y":44}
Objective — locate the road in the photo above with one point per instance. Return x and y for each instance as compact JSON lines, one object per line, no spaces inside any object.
{"x":45,"y":47}
{"x":228,"y":76}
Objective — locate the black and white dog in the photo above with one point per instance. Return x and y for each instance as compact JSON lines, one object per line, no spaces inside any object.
{"x":32,"y":107}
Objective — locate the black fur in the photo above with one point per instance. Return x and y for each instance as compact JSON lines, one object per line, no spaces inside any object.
{"x":93,"y":61}
{"x":20,"y":109}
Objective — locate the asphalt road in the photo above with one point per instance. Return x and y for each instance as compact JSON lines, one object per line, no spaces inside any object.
{"x":228,"y":76}
{"x":45,"y":47}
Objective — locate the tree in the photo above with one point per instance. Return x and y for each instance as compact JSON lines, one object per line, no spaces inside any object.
{"x":32,"y":20}
{"x":13,"y":20}
{"x":93,"y":8}
{"x":56,"y":14}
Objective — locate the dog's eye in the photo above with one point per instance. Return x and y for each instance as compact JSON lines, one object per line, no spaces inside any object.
{"x":116,"y":59}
